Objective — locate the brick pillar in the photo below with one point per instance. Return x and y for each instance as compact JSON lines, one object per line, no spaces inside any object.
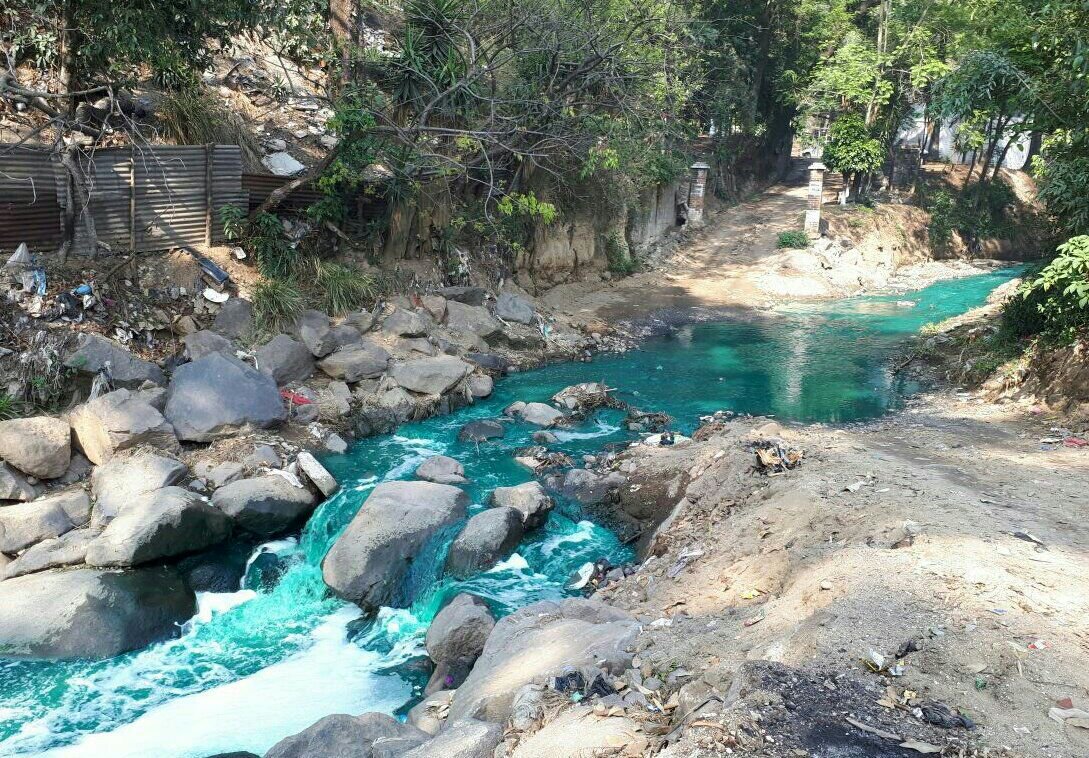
{"x":816,"y":192}
{"x":696,"y":192}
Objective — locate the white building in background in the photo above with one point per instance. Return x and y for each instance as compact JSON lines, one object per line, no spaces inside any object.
{"x":914,"y":134}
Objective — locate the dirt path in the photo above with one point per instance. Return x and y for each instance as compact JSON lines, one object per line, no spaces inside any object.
{"x":913,"y":527}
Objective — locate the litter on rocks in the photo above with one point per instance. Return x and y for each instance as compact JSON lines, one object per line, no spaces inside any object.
{"x":774,"y":457}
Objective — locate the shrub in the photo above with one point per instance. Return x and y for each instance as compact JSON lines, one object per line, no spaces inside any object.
{"x":1055,"y":302}
{"x":342,"y":288}
{"x":276,"y":303}
{"x":9,"y":407}
{"x":795,"y":239}
{"x":276,"y":257}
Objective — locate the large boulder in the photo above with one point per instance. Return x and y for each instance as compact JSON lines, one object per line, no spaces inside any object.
{"x":24,"y":524}
{"x":466,"y":295}
{"x":285,"y":360}
{"x":205,"y":342}
{"x":344,"y":736}
{"x":467,"y":738}
{"x":459,"y":630}
{"x":471,"y":319}
{"x":69,"y":549}
{"x":117,"y":421}
{"x":538,"y":642}
{"x":529,"y":499}
{"x":14,"y":486}
{"x":121,"y":481}
{"x":363,"y":360}
{"x":579,"y":731}
{"x":235,"y":318}
{"x":316,"y":474}
{"x":265,"y":505}
{"x":590,"y":487}
{"x":165,"y":523}
{"x":370,"y":559}
{"x":315,"y":331}
{"x":40,"y":446}
{"x":481,"y":431}
{"x":219,"y":395}
{"x":441,"y":469}
{"x":431,"y":376}
{"x":540,"y":414}
{"x":480,"y":386}
{"x":511,"y":307}
{"x":93,"y":352}
{"x":406,"y":323}
{"x":487,"y":538}
{"x":90,"y":613}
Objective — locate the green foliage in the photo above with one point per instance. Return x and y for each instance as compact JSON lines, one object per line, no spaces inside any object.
{"x":794,"y":239}
{"x":276,"y":305}
{"x":276,"y":257}
{"x":850,"y":147}
{"x":618,"y":255}
{"x":526,"y":205}
{"x":1062,"y":171}
{"x":339,"y":288}
{"x":982,"y":211}
{"x":1060,"y":292}
{"x":233,"y":220}
{"x":9,"y":407}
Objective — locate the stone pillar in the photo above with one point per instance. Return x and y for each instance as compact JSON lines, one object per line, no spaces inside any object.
{"x":816,"y":193}
{"x":697,"y":192}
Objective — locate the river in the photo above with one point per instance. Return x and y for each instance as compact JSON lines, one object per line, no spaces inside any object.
{"x":267,"y":661}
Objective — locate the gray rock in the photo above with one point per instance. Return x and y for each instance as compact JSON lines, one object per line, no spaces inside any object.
{"x":488,"y":361}
{"x":367,"y":564}
{"x":467,"y":738}
{"x":431,"y":376}
{"x":263,"y":455}
{"x":316,"y":474}
{"x":589,"y":487}
{"x":93,"y":352}
{"x":78,"y":470}
{"x":235,"y":319}
{"x":344,"y":335}
{"x":334,"y":443}
{"x":117,"y":421}
{"x":282,"y":164}
{"x":285,"y":360}
{"x":265,"y":505}
{"x":577,"y":731}
{"x":466,"y":295}
{"x":217,"y":396}
{"x":406,"y":323}
{"x":153,"y":396}
{"x":89,"y":613}
{"x":361,"y":320}
{"x":224,"y":473}
{"x":540,"y":641}
{"x":69,"y":549}
{"x":40,"y":446}
{"x":544,"y":438}
{"x":459,"y":631}
{"x":481,"y":431}
{"x":441,"y":469}
{"x":514,"y":408}
{"x":529,"y":499}
{"x":427,"y":714}
{"x":418,"y":345}
{"x":343,"y":736}
{"x":480,"y":386}
{"x":511,"y":307}
{"x":335,"y":401}
{"x":315,"y":332}
{"x":24,"y":524}
{"x":488,"y":537}
{"x":540,"y":414}
{"x":14,"y":486}
{"x":206,"y":342}
{"x":471,"y":319}
{"x":163,"y":524}
{"x":364,"y":360}
{"x":434,"y":305}
{"x":121,"y":481}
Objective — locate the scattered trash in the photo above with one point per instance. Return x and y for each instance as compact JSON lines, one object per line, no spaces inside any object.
{"x":873,"y":730}
{"x":1076,"y":442}
{"x":774,"y":457}
{"x":754,"y":620}
{"x":212,"y":273}
{"x":942,"y":715}
{"x":238,"y":253}
{"x":855,"y":487}
{"x":686,"y":557}
{"x":1076,"y":717}
{"x":920,"y":747}
{"x":1039,"y":645}
{"x":1026,"y":537}
{"x":295,"y":398}
{"x":213,"y":296}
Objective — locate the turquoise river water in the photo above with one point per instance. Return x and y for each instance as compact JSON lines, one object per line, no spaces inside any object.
{"x":270,"y":659}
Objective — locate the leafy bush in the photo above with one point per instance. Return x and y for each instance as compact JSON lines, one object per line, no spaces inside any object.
{"x":850,"y":147}
{"x":342,"y":288}
{"x":233,"y":220}
{"x":981,"y":211}
{"x":794,"y":239}
{"x":9,"y":407}
{"x":275,"y":256}
{"x":1059,"y":294}
{"x":276,"y":303}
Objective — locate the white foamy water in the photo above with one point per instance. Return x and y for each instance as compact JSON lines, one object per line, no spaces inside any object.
{"x":602,"y":430}
{"x":331,"y":676}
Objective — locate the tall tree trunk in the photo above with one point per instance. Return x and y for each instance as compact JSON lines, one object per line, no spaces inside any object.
{"x":764,"y":47}
{"x":342,"y":20}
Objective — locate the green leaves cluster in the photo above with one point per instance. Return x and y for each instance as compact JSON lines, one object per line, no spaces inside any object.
{"x":850,"y":147}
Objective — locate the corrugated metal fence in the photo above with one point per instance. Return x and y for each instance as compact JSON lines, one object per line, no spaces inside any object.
{"x":140,"y":198}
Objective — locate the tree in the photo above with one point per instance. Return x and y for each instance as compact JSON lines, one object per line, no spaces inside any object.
{"x":852,"y":151}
